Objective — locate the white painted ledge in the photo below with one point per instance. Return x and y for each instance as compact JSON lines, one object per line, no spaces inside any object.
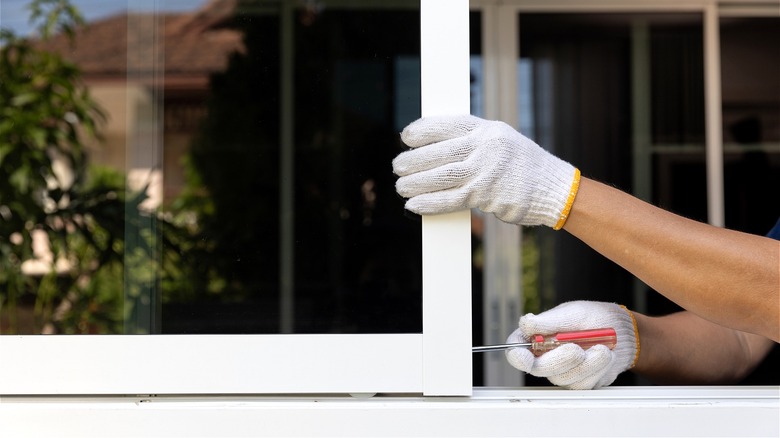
{"x":537,"y":412}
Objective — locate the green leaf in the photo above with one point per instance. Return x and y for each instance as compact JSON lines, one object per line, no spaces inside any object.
{"x":5,"y":149}
{"x":20,"y":179}
{"x":38,"y":137}
{"x":23,"y":99}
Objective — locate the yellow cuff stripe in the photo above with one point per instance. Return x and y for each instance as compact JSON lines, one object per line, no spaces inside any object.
{"x":575,"y":185}
{"x":636,"y":336}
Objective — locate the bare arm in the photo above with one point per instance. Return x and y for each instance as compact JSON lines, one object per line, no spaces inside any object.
{"x":683,"y":348}
{"x":724,"y":276}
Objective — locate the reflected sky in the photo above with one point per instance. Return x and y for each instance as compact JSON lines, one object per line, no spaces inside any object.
{"x":14,"y":14}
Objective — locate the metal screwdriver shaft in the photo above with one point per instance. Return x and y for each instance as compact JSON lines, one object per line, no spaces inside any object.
{"x":499,"y":347}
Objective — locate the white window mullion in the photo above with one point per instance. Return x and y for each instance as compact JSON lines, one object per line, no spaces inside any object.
{"x":502,"y":294}
{"x":713,"y":117}
{"x":446,"y":238}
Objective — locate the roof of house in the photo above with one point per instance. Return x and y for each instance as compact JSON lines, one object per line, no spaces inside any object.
{"x":182,"y":45}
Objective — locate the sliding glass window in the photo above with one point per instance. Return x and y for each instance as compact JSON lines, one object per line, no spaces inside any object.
{"x":229,"y":172}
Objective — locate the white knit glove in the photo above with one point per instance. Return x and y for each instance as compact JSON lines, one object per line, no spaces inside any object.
{"x":463,"y":162}
{"x":569,"y":365}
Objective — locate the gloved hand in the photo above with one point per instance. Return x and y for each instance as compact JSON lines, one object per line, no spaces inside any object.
{"x":569,"y":365}
{"x":462,"y":162}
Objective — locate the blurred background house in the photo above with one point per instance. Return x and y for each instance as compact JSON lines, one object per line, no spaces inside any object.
{"x":150,"y":72}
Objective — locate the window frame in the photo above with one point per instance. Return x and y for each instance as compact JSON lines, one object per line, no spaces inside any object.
{"x":500,"y":27}
{"x":434,"y":362}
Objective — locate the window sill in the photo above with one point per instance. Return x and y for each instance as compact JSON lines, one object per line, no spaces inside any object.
{"x":614,"y":411}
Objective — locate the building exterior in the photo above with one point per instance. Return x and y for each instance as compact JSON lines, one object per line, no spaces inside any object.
{"x":150,"y":72}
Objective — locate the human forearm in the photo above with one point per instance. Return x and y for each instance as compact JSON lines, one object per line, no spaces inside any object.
{"x":683,"y":348}
{"x":461,"y":161}
{"x":725,"y":276}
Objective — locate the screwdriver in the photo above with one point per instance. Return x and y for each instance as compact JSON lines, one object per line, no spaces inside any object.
{"x":541,"y":344}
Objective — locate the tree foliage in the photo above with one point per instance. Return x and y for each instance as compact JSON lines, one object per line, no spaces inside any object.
{"x":47,"y":117}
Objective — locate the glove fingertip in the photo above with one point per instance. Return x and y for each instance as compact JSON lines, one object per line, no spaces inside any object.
{"x":599,"y":357}
{"x":400,"y":165}
{"x":590,"y":382}
{"x":411,"y":206}
{"x":515,"y":337}
{"x":432,"y":129}
{"x":558,"y":360}
{"x":531,"y":324}
{"x":520,"y":358}
{"x":439,"y":202}
{"x":424,"y":205}
{"x":419,"y":132}
{"x":409,"y":137}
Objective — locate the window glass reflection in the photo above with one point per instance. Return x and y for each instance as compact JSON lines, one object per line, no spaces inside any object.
{"x":622,"y":96}
{"x":239,"y":180}
{"x":750,"y":62}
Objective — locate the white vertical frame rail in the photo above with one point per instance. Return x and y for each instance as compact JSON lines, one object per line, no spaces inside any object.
{"x":716,"y":214}
{"x":444,"y":54}
{"x":435,"y":362}
{"x":502,"y":290}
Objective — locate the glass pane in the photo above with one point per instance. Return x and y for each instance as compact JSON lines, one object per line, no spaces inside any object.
{"x":477,"y":71}
{"x":238,"y":179}
{"x":621,"y":96}
{"x":750,"y":68}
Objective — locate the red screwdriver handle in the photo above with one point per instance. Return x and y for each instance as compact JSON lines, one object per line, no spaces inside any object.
{"x":541,"y":344}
